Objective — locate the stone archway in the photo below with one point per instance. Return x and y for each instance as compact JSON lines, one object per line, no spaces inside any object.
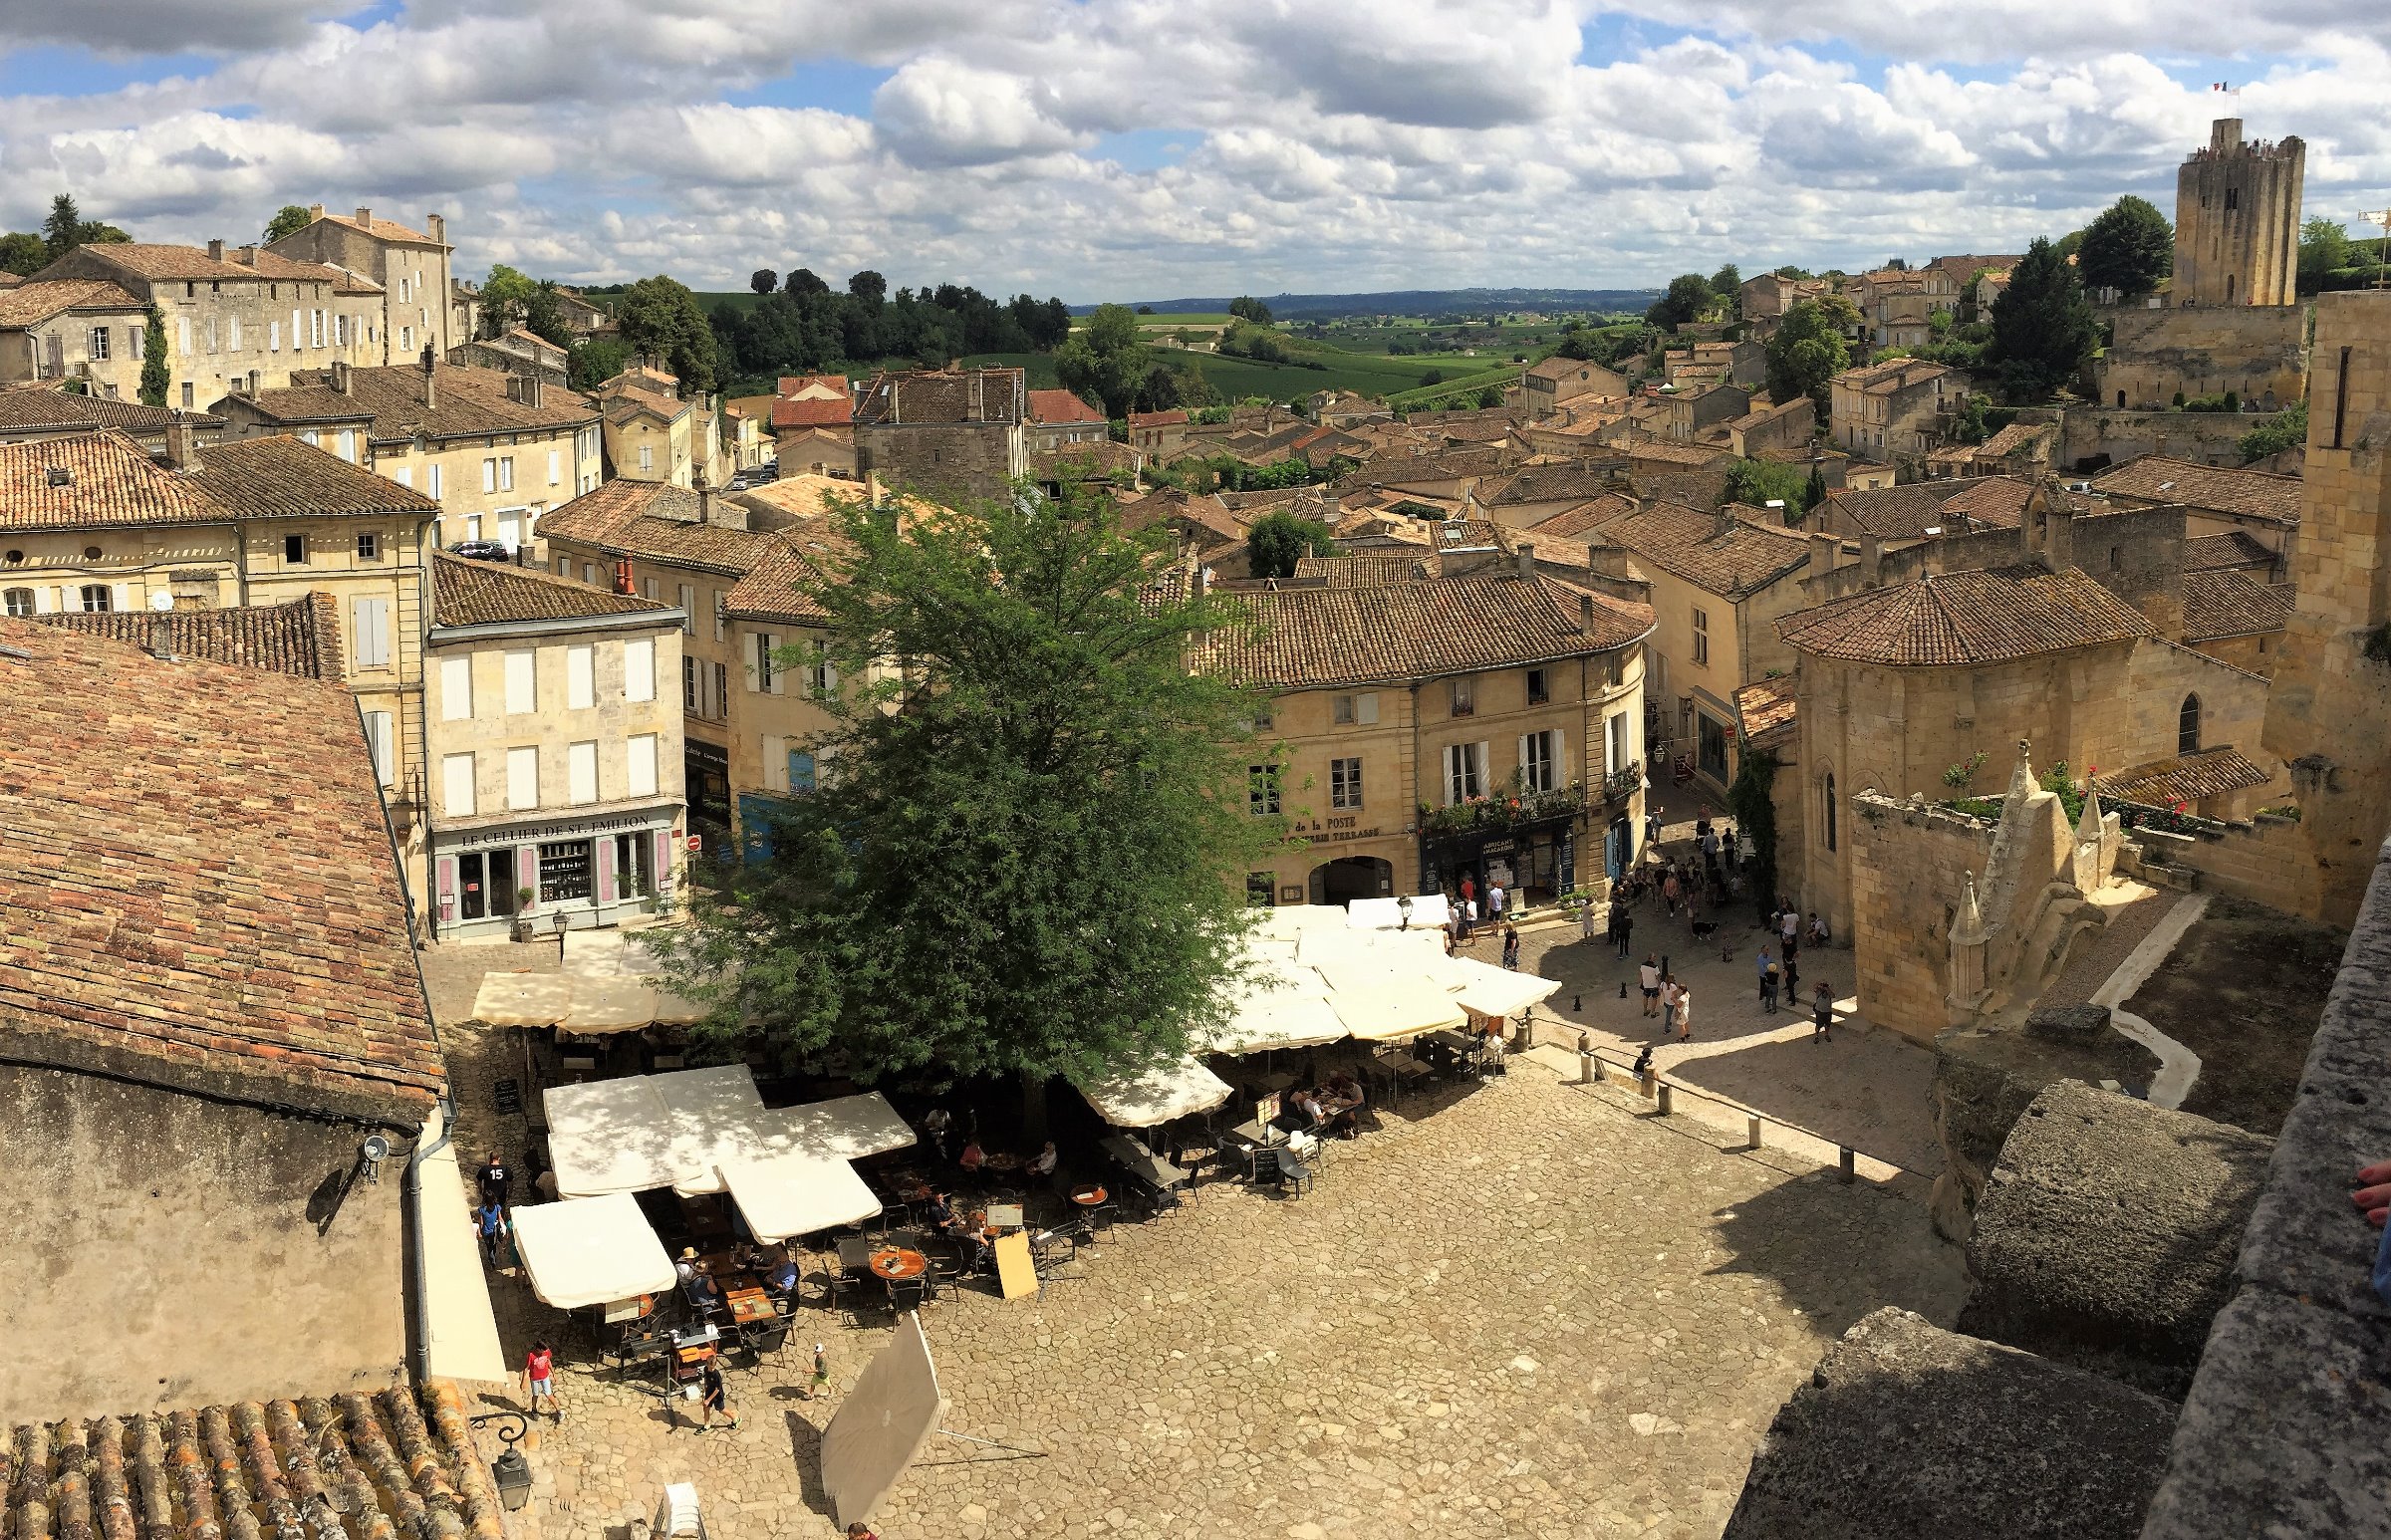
{"x":1351,"y":876}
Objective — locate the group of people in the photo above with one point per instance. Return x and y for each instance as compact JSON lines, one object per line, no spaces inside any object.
{"x":1333,"y":1108}
{"x":1666,"y":997}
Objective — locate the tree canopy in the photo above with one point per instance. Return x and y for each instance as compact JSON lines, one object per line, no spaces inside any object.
{"x":1019,"y":859}
{"x":1760,"y":482}
{"x":764,"y":280}
{"x":2042,"y":325}
{"x":2128,"y":248}
{"x":2324,"y":248}
{"x":505,"y":297}
{"x":806,"y":328}
{"x":65,"y":228}
{"x":289,"y":219}
{"x":1246,"y":308}
{"x":2287,"y":430}
{"x":1808,"y":349}
{"x":660,"y":321}
{"x":1105,"y":359}
{"x":156,"y":373}
{"x":1278,"y":540}
{"x":1728,"y":283}
{"x":1689,"y":298}
{"x":23,"y":253}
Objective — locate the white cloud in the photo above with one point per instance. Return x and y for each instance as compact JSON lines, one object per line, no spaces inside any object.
{"x":1151,"y":148}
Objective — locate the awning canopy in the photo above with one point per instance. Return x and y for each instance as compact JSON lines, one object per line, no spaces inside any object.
{"x":602,"y":1007}
{"x":848,"y":1127}
{"x":609,"y":1135}
{"x":591,"y":1251}
{"x":679,"y":1130}
{"x":1486,"y":990}
{"x":522,"y":999}
{"x":1378,"y":1013}
{"x":460,"y":1332}
{"x":1429,"y":911}
{"x":883,"y":1423}
{"x":797,"y":1194}
{"x":1157,"y":1094}
{"x":709,"y":1114}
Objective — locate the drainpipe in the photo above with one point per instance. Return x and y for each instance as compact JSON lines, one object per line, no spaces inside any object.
{"x":240,"y":558}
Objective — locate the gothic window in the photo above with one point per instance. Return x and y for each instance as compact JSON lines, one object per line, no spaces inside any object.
{"x":2233,"y":199}
{"x":2186,"y":727}
{"x":1830,"y":811}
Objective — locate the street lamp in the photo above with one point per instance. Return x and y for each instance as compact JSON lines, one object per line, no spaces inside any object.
{"x":510,"y":1471}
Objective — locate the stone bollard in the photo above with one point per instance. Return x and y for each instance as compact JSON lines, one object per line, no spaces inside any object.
{"x":1851,"y":1170}
{"x":1751,"y":1129}
{"x":1589,"y":1068}
{"x":1666,"y":1099}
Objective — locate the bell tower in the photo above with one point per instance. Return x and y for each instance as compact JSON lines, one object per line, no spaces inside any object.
{"x":2236,"y":220}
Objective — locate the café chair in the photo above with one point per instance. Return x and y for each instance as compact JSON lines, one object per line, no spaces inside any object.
{"x":1293,"y":1168}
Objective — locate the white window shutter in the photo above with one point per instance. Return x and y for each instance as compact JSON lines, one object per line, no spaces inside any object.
{"x":379,"y":740}
{"x":639,"y":781}
{"x":1523,"y":771}
{"x":581,"y":677}
{"x":1485,"y":752}
{"x":522,"y":690}
{"x":779,"y":675}
{"x":456,"y":690}
{"x":581,"y":772}
{"x":1365,"y":708}
{"x":638,"y":669}
{"x":523,"y":778}
{"x":1562,"y":772}
{"x":1452,"y":772}
{"x":556,"y":465}
{"x":777,"y":763}
{"x":456,"y":785}
{"x":120,"y":596}
{"x":754,"y":675}
{"x":41,"y":602}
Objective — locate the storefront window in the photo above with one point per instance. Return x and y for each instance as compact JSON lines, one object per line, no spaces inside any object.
{"x":1710,"y":741}
{"x":634,"y":878}
{"x":565,"y":871}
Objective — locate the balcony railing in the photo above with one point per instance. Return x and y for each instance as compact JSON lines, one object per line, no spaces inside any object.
{"x":1623,"y":783}
{"x":1507,"y":810}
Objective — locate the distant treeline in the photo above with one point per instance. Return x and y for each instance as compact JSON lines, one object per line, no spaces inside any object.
{"x":805,"y":326}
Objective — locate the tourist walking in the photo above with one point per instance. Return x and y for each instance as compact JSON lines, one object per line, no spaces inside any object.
{"x":1585,"y":922}
{"x":1671,"y":889}
{"x":489,"y":1226}
{"x":539,"y":1381}
{"x":1685,"y":1014}
{"x":1822,"y":1015}
{"x":1652,"y":826}
{"x":1727,"y":850}
{"x":493,"y":1180}
{"x":1495,"y":897}
{"x":1469,"y":890}
{"x":1624,"y":924}
{"x":1767,"y":983}
{"x":1788,"y":924}
{"x":1792,"y":970}
{"x":1650,"y":975}
{"x":712,"y":1396}
{"x":1510,"y":947}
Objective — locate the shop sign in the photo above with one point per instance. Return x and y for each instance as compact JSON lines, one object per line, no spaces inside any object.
{"x":536,"y":833}
{"x":1331,"y":831}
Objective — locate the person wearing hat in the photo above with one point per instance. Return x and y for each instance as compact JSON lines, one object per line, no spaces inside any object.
{"x":696,"y":1284}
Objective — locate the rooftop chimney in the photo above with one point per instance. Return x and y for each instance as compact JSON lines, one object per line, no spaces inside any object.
{"x":364,"y":218}
{"x":432,"y":388}
{"x":183,"y":446}
{"x":1824,"y":547}
{"x":162,"y":639}
{"x":1872,"y":561}
{"x":340,"y":376}
{"x":1585,"y":614}
{"x":1525,"y":556}
{"x":704,"y":489}
{"x":215,"y":251}
{"x":1722,"y":524}
{"x":437,"y":226}
{"x":246,"y":256}
{"x":314,"y":211}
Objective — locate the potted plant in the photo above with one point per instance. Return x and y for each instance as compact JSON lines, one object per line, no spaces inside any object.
{"x":522,"y":927}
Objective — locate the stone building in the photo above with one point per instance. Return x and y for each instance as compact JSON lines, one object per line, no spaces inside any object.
{"x":1765,"y":427}
{"x":1557,"y":381}
{"x":517,"y":351}
{"x":1719,"y":580}
{"x":244,"y":318}
{"x":1893,"y":411}
{"x":219,"y":1062}
{"x":2155,"y":356}
{"x":93,"y":525}
{"x":1161,"y":437}
{"x":411,"y":269}
{"x":2216,"y":499}
{"x":652,"y":434}
{"x":1058,"y":419}
{"x":1433,"y":727}
{"x":86,"y":329}
{"x":753,"y":677}
{"x":952,"y":432}
{"x":2236,"y":220}
{"x":494,"y":450}
{"x":558,"y":746}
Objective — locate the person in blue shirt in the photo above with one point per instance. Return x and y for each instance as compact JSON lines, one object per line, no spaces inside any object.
{"x":783,"y":1278}
{"x":489,"y":1225}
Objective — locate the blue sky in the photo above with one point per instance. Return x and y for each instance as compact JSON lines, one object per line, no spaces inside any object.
{"x":1130,"y":148}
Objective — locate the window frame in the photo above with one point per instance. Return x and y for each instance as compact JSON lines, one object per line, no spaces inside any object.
{"x":1264,"y":790}
{"x":1345,"y":783}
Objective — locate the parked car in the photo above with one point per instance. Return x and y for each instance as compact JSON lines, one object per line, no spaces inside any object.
{"x":482,"y":550}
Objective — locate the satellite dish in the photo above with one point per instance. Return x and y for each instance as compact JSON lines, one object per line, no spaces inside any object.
{"x":161,"y":600}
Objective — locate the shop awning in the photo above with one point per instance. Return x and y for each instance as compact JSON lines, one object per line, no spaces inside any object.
{"x":522,"y":999}
{"x":602,"y":1007}
{"x":711,"y":1113}
{"x":1157,"y":1094}
{"x":846,"y":1127}
{"x":591,"y":1251}
{"x":1486,"y":990}
{"x":1379,"y":1012}
{"x":1429,"y":911}
{"x":1295,"y":921}
{"x":797,"y":1194}
{"x":609,"y":1135}
{"x":460,"y":1331}
{"x":882,"y":1425}
{"x":1276,"y":1002}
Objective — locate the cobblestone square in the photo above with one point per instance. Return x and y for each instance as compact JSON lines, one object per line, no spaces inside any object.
{"x":1526,"y":1309}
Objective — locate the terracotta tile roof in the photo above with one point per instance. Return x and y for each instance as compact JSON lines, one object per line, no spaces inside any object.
{"x":811,"y":412}
{"x":1762,"y":414}
{"x":1734,"y":562}
{"x":470,"y":593}
{"x":280,"y":477}
{"x":301,"y":637}
{"x":654,"y":521}
{"x":2228,"y":601}
{"x":1575,"y":482}
{"x":41,"y":408}
{"x":108,"y":479}
{"x":145,"y":260}
{"x":1362,"y":570}
{"x":1694,"y":488}
{"x":1590,"y":516}
{"x":1998,"y":501}
{"x":806,"y":495}
{"x":1891,"y":375}
{"x":1060,"y":406}
{"x":1174,"y":417}
{"x":1314,"y":637}
{"x":778,"y":588}
{"x":1663,"y":451}
{"x":467,"y":404}
{"x":1444,"y":465}
{"x":1188,"y":511}
{"x":1768,"y":709}
{"x":1073,"y":461}
{"x":2163,"y":783}
{"x":1965,"y":619}
{"x":2161,"y":478}
{"x":825,"y":386}
{"x":1255,"y":504}
{"x":384,"y":229}
{"x":1908,"y":512}
{"x":942,"y":396}
{"x":2234,"y":548}
{"x":2013,"y":439}
{"x":199,"y":884}
{"x":31,"y":303}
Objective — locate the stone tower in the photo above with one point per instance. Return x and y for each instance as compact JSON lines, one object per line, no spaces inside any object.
{"x":2328,"y":713}
{"x":2236,"y":220}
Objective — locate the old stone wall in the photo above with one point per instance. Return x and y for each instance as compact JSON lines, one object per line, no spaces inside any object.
{"x":2136,"y":554}
{"x":1910,"y":869}
{"x":2257,"y":352}
{"x":170,"y":1250}
{"x":2232,"y":706}
{"x":974,"y":459}
{"x":2265,"y":860}
{"x":2087,"y":433}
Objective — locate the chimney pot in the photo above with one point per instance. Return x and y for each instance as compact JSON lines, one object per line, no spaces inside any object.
{"x":365,"y":217}
{"x":1585,"y":614}
{"x":437,"y":226}
{"x":246,"y":256}
{"x":182,"y":450}
{"x":215,"y":251}
{"x":1824,"y":547}
{"x":1525,"y":556}
{"x":340,"y":376}
{"x":1872,"y":561}
{"x":314,"y":211}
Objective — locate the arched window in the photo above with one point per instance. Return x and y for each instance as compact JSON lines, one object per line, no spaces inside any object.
{"x":2186,"y":727}
{"x":2229,"y":287}
{"x":1830,"y":811}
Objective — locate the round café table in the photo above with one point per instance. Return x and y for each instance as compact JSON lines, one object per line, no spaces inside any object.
{"x":1089,"y":1197}
{"x":898,"y":1263}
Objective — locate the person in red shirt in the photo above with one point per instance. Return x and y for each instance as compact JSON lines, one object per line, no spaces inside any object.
{"x":539,"y":1380}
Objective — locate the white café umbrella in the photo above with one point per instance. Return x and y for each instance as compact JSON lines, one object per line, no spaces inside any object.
{"x":1144,"y":1098}
{"x":591,"y":1251}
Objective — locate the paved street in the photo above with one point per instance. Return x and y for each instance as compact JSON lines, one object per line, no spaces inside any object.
{"x":1532,"y":1311}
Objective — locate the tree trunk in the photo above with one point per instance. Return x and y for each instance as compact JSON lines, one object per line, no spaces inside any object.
{"x":1033,"y":1109}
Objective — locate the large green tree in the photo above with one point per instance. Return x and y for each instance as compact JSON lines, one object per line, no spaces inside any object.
{"x":1246,"y":308}
{"x":1809,"y":348}
{"x":1278,"y":540}
{"x":289,"y":219}
{"x":1728,"y":283}
{"x":2128,"y":248}
{"x":544,"y":314}
{"x":2324,"y":246}
{"x":1020,"y":857}
{"x":156,"y":373}
{"x":1688,"y":299}
{"x":505,"y":297}
{"x":1105,"y":359}
{"x":2042,"y":325}
{"x":23,"y":253}
{"x":65,"y":228}
{"x":660,"y":321}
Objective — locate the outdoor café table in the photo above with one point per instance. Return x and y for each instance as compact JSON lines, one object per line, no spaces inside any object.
{"x":1276,"y":1080}
{"x":1142,"y":1164}
{"x":1089,"y":1197}
{"x":750,"y":1304}
{"x":896,"y":1263}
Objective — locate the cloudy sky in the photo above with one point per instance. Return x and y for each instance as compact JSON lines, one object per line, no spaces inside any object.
{"x":1146,"y":148}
